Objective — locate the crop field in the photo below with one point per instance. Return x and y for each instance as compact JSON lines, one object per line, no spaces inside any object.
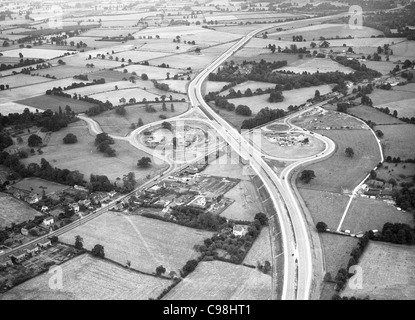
{"x":61,"y":72}
{"x":296,"y":151}
{"x":38,"y":185}
{"x":152,"y":72}
{"x":177,"y":85}
{"x":246,"y":204}
{"x":109,"y":75}
{"x":88,"y":278}
{"x":213,"y":86}
{"x":92,"y":161}
{"x":405,"y":108}
{"x":217,"y":280}
{"x":369,"y":214}
{"x":403,"y":50}
{"x":388,"y":272}
{"x":104,"y":88}
{"x":398,"y":140}
{"x":398,"y":93}
{"x":340,"y":173}
{"x":327,"y":31}
{"x":183,"y":61}
{"x":260,"y":250}
{"x":9,"y":60}
{"x":146,"y":242}
{"x":35,"y":90}
{"x":45,"y":102}
{"x":14,"y":211}
{"x":291,"y":97}
{"x":316,"y":65}
{"x":166,"y":46}
{"x":139,"y":55}
{"x":320,"y":119}
{"x":120,"y":125}
{"x":325,"y":206}
{"x":20,"y":80}
{"x":369,"y":113}
{"x":36,"y":53}
{"x":364,"y":42}
{"x":253,"y":85}
{"x":12,"y":107}
{"x":383,"y":67}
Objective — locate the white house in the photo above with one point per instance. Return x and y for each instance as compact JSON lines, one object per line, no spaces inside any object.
{"x":44,"y":208}
{"x":48,"y":221}
{"x":239,"y":230}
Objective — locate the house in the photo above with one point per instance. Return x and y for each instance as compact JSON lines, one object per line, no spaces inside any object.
{"x":5,"y":261}
{"x":48,"y":221}
{"x":44,"y":209}
{"x":44,"y":244}
{"x":24,"y":231}
{"x":198,"y":202}
{"x":32,"y":199}
{"x":112,"y":193}
{"x":19,"y":256}
{"x":75,"y":207}
{"x":80,"y":188}
{"x":239,"y":231}
{"x":32,"y":249}
{"x":86,"y":203}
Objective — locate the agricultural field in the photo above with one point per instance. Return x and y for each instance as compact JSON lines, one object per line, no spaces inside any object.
{"x":340,"y":173}
{"x":105,"y":88}
{"x":217,"y":280}
{"x":368,"y":113}
{"x":146,"y":242}
{"x":14,"y":211}
{"x":152,"y":72}
{"x":401,"y":172}
{"x":291,"y":97}
{"x":92,"y":161}
{"x":62,"y":72}
{"x":213,"y":86}
{"x":36,"y":53}
{"x":398,"y":140}
{"x":21,"y":80}
{"x":13,"y":107}
{"x":51,"y":102}
{"x":35,"y":90}
{"x":400,"y":98}
{"x":177,"y":85}
{"x":89,"y":278}
{"x":37,"y":185}
{"x":369,"y":214}
{"x":314,"y":65}
{"x":184,"y":60}
{"x":260,"y":250}
{"x":327,"y":30}
{"x":253,"y":85}
{"x":325,"y":206}
{"x":403,"y":50}
{"x":140,"y":55}
{"x":115,"y":124}
{"x":388,"y":272}
{"x":246,"y":204}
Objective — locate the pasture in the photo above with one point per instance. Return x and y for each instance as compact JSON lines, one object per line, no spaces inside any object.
{"x":146,"y":242}
{"x":324,"y":206}
{"x":398,"y":140}
{"x":177,"y":85}
{"x":388,"y":272}
{"x":292,"y":97}
{"x":217,"y":280}
{"x":246,"y":204}
{"x":152,"y":72}
{"x":369,"y":214}
{"x":140,"y":55}
{"x":88,"y":278}
{"x":260,"y":250}
{"x":37,"y":185}
{"x":53,"y":103}
{"x":339,"y":173}
{"x":36,"y":53}
{"x":405,"y":108}
{"x":93,"y":162}
{"x":253,"y":85}
{"x":184,"y":60}
{"x":12,"y":107}
{"x":21,"y":80}
{"x":368,"y":113}
{"x":314,"y":65}
{"x":14,"y":211}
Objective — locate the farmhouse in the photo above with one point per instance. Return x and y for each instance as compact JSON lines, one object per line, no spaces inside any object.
{"x":239,"y":231}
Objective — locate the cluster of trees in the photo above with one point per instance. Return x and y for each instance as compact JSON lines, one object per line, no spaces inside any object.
{"x":265,"y":115}
{"x":99,"y":107}
{"x":198,"y":218}
{"x":307,"y":175}
{"x":120,"y":110}
{"x":48,"y":120}
{"x":102,"y":142}
{"x":276,"y":96}
{"x":76,"y":85}
{"x":292,"y":49}
{"x":405,"y":198}
{"x":243,"y":110}
{"x":144,"y":162}
{"x":343,"y":274}
{"x":236,"y":247}
{"x":70,"y":138}
{"x":398,"y":233}
{"x":161,"y":86}
{"x":21,"y":63}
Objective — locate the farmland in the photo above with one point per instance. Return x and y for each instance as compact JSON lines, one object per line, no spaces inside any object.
{"x":152,"y":72}
{"x":253,"y":85}
{"x":398,"y":140}
{"x":93,"y":162}
{"x":316,"y":65}
{"x":13,"y":107}
{"x":325,"y":206}
{"x":20,"y":80}
{"x":88,"y":278}
{"x":340,"y":173}
{"x":53,"y":103}
{"x":388,"y":272}
{"x":368,"y":113}
{"x":37,"y":185}
{"x":121,"y":125}
{"x":216,"y":280}
{"x":261,"y":249}
{"x":370,"y":214}
{"x":147,"y":243}
{"x":36,"y":53}
{"x":14,"y":211}
{"x":246,"y":204}
{"x":400,"y":99}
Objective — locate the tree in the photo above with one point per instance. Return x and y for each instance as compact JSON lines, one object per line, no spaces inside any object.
{"x":98,"y":251}
{"x":190,"y":266}
{"x":349,"y":152}
{"x":144,"y":162}
{"x":79,"y":242}
{"x":70,"y":138}
{"x":160,"y":270}
{"x":140,"y":122}
{"x":379,"y":133}
{"x":262,"y":218}
{"x":321,"y":226}
{"x":167,"y":125}
{"x":243,"y":110}
{"x":307,"y":175}
{"x":313,"y":45}
{"x":172,"y":107}
{"x":317,"y":94}
{"x":34,"y":140}
{"x":144,"y":76}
